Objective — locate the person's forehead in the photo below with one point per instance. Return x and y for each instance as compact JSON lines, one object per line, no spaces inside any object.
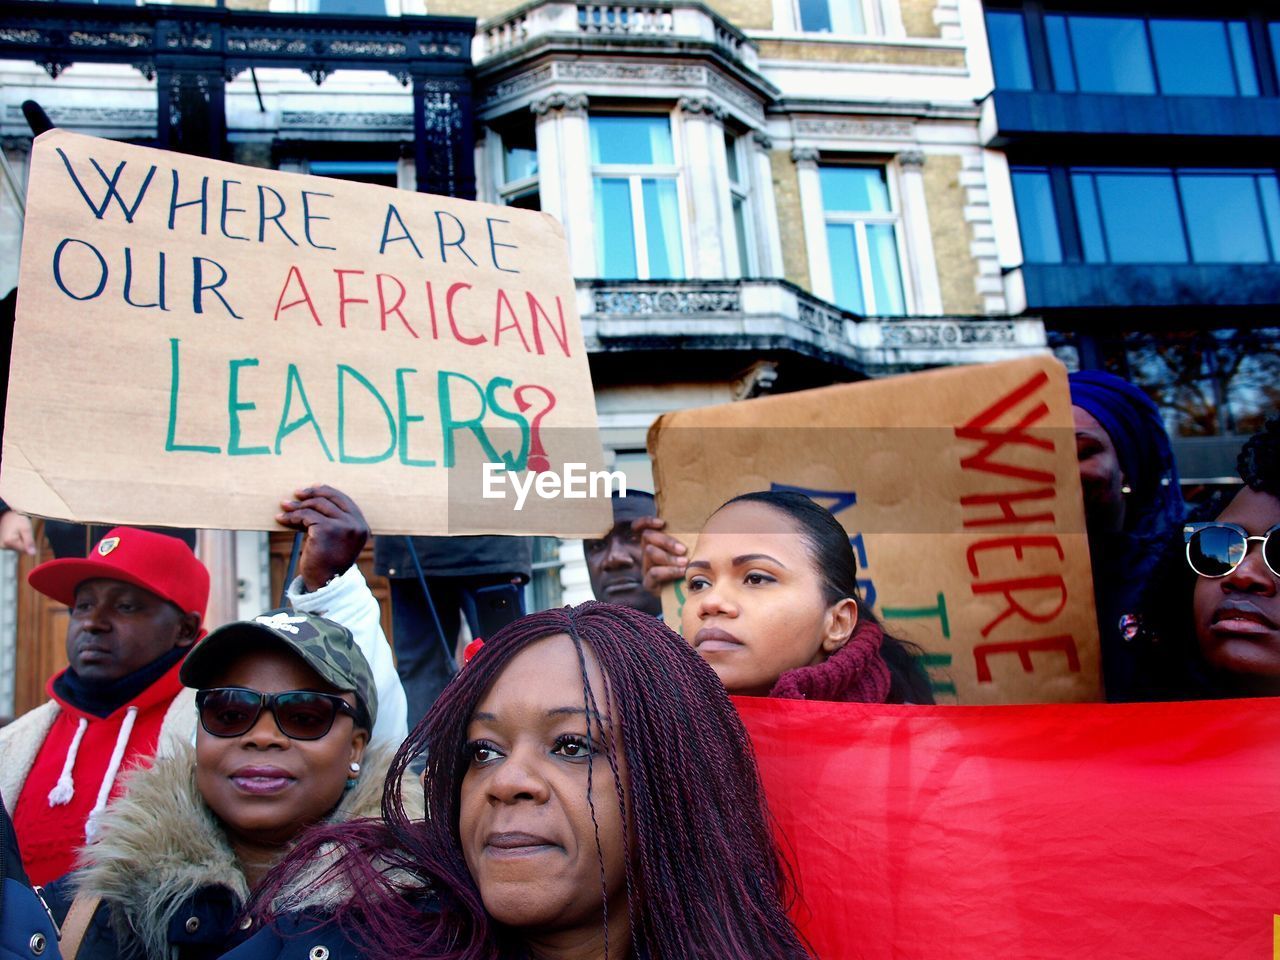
{"x":253,"y":664}
{"x":1086,"y":422}
{"x":748,"y":529}
{"x":103,"y":585}
{"x":1255,"y":511}
{"x":546,"y":675}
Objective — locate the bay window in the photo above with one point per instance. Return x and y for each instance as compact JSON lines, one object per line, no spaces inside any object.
{"x":739,"y":193}
{"x":518,"y":179}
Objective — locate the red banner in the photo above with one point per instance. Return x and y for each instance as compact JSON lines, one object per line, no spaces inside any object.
{"x":1050,"y":831}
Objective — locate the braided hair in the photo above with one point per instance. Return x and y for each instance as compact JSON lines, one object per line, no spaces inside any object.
{"x":704,"y":877}
{"x":1259,"y":460}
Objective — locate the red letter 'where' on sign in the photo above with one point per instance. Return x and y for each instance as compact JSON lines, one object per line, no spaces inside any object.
{"x":982,"y":429}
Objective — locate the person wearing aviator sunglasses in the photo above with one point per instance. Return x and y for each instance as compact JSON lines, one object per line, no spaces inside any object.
{"x":1236,"y":557}
{"x":285,"y":704}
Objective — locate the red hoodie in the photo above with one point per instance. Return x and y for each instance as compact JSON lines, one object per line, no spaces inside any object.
{"x":52,"y":832}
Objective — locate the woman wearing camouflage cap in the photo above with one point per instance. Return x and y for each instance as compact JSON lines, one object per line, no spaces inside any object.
{"x":286,"y":703}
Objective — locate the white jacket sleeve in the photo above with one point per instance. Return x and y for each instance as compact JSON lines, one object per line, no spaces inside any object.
{"x":348,"y":601}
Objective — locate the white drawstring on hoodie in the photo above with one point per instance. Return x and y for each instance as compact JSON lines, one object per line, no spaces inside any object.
{"x":65,"y":789}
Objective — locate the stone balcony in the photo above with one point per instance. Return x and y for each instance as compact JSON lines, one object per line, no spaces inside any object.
{"x":774,"y":315}
{"x":669,"y":21}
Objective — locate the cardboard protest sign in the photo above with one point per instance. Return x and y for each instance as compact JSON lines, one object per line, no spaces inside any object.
{"x":961,"y":495}
{"x":196,"y":339}
{"x":1124,"y":831}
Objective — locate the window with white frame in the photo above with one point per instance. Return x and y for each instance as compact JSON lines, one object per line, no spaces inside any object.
{"x":846,"y":17}
{"x":518,"y":178}
{"x":739,"y":195}
{"x":636,"y":186}
{"x":864,"y":240}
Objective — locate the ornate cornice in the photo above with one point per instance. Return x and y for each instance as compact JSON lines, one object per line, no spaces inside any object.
{"x":697,"y":106}
{"x":226,"y":41}
{"x":947,"y":333}
{"x":856,"y":129}
{"x":560,"y":103}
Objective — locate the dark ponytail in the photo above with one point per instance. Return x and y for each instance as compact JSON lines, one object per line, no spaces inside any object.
{"x":833,"y":558}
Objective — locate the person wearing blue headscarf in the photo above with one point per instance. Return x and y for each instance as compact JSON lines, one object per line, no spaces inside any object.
{"x":1133,"y":511}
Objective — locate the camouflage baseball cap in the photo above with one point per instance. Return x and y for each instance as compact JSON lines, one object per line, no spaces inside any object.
{"x":325,"y":646}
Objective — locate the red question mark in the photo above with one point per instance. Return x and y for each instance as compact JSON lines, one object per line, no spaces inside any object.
{"x":538,"y":461}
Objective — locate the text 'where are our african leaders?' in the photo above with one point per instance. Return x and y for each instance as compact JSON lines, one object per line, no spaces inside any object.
{"x":194,"y":339}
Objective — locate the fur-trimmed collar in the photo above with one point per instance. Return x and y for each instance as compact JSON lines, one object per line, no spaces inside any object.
{"x":160,"y":844}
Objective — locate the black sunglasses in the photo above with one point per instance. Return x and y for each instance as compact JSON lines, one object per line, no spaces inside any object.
{"x":1215,"y":549}
{"x":300,"y":714}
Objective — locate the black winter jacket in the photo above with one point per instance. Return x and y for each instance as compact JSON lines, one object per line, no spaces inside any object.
{"x":26,"y":929}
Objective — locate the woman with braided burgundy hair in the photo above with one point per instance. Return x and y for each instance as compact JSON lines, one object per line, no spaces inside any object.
{"x":591,"y":794}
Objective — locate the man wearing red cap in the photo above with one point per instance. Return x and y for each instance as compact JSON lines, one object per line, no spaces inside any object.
{"x":135,"y":605}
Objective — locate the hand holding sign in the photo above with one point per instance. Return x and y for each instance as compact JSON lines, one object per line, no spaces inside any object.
{"x":335,"y":532}
{"x":664,"y":556}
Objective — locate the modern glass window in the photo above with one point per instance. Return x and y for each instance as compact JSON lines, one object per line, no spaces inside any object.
{"x":1107,"y":55}
{"x":1230,"y":218}
{"x":1210,"y":382}
{"x":1037,"y":217}
{"x":1273,"y":31}
{"x":1200,"y":57}
{"x":1136,"y":216}
{"x":1158,"y":215}
{"x":863,"y":233}
{"x":1007,"y":37}
{"x":739,"y":193}
{"x":1129,"y":55}
{"x":637,"y":198}
{"x":1206,"y":382}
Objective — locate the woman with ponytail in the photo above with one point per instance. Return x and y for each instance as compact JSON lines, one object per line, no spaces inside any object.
{"x":773,"y":605}
{"x":591,"y":794}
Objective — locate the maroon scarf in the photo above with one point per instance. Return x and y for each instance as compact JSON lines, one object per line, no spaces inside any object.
{"x":856,"y":673}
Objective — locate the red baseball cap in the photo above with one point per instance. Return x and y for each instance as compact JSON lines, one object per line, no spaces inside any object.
{"x":161,"y":564}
